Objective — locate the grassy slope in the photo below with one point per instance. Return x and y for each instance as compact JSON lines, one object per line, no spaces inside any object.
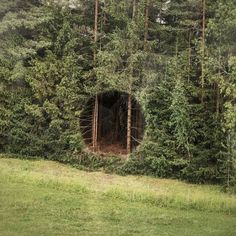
{"x":47,"y":198}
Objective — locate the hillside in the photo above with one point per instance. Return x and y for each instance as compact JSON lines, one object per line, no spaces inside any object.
{"x":47,"y":198}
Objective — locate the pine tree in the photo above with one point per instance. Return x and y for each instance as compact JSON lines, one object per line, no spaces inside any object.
{"x":177,"y":58}
{"x":180,"y":119}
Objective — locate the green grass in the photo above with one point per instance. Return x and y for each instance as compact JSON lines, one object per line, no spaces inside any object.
{"x":48,"y":198}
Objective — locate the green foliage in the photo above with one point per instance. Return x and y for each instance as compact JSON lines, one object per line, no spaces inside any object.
{"x":50,"y":66}
{"x":48,"y":85}
{"x":180,"y":118}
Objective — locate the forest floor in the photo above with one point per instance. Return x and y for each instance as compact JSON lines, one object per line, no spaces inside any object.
{"x":105,"y":148}
{"x":48,"y":198}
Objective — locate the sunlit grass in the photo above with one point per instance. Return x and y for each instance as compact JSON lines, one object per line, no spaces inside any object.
{"x":161,"y":192}
{"x":48,"y":198}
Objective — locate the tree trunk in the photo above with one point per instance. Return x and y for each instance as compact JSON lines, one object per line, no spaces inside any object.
{"x":129,"y":107}
{"x":99,"y":119}
{"x":96,"y":22}
{"x":135,"y":125}
{"x":141,"y":124}
{"x":129,"y":117}
{"x":95,"y":124}
{"x":217,"y":100}
{"x":95,"y":112}
{"x":189,"y":55}
{"x":203,"y":48}
{"x":134,"y":9}
{"x":218,"y":88}
{"x":146,"y":24}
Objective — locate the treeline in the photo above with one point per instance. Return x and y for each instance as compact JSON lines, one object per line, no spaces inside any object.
{"x":176,"y":57}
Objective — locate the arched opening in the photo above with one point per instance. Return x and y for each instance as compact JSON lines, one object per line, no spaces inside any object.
{"x":112,"y":122}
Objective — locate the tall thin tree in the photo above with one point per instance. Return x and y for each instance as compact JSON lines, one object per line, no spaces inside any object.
{"x":129,"y":123}
{"x":96,"y":105}
{"x":129,"y":102}
{"x":146,"y":17}
{"x":203,"y":48}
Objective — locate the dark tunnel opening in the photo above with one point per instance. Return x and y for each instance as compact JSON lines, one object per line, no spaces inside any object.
{"x":112,"y":123}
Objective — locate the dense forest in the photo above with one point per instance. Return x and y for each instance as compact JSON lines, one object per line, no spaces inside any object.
{"x":166,"y":67}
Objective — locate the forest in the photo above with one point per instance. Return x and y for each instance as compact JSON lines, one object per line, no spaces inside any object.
{"x":141,"y":86}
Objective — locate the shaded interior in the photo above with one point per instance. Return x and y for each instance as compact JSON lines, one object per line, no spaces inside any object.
{"x":112,"y":123}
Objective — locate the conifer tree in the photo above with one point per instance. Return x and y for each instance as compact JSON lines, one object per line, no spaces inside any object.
{"x":55,"y":55}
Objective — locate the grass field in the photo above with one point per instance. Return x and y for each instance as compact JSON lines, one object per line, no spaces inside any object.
{"x":48,"y":198}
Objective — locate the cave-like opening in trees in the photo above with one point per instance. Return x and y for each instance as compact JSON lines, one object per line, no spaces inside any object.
{"x":112,"y":122}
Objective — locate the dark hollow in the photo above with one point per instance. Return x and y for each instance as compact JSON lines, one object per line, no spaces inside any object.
{"x":112,"y":123}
